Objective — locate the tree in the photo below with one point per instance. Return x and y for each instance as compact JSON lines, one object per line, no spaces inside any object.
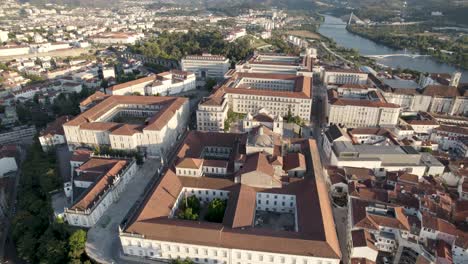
{"x":188,"y":214}
{"x":189,"y":208}
{"x":182,"y":261}
{"x":216,"y":210}
{"x":210,"y":83}
{"x":77,"y":244}
{"x":104,"y":84}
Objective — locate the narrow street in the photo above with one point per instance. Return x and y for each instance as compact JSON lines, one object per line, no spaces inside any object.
{"x":103,"y":244}
{"x":319,"y":114}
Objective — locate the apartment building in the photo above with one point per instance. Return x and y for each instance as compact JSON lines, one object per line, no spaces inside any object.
{"x":360,"y":108}
{"x":100,"y":181}
{"x":206,"y":66}
{"x":254,"y":193}
{"x":279,"y":94}
{"x":148,"y":124}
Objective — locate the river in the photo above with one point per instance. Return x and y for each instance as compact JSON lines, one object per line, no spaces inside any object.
{"x":335,"y":29}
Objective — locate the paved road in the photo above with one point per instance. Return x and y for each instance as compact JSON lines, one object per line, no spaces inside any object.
{"x":63,"y":160}
{"x":12,"y":206}
{"x":340,"y":215}
{"x":103,"y":244}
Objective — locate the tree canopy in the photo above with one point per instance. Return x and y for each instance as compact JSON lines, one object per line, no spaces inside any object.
{"x":216,"y":210}
{"x":176,"y":45}
{"x":189,"y":208}
{"x":37,"y":238}
{"x":182,"y":261}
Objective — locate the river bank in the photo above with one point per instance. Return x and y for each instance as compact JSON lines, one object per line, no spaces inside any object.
{"x":418,"y":43}
{"x":335,"y":29}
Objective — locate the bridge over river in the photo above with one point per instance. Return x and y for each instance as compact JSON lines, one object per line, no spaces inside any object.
{"x":413,"y":56}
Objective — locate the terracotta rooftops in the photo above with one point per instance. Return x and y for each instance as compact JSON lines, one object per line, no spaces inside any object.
{"x":294,"y":161}
{"x":90,"y":119}
{"x":81,"y":155}
{"x":362,"y":238}
{"x":102,"y":171}
{"x":189,"y":163}
{"x":148,"y":80}
{"x":316,"y":235}
{"x":94,"y":98}
{"x":335,"y":99}
{"x":438,"y":224}
{"x":302,"y":86}
{"x":55,"y":127}
{"x":441,"y":90}
{"x":373,"y":215}
{"x":452,"y":129}
{"x":262,"y":117}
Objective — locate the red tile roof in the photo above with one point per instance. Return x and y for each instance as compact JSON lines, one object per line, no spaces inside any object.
{"x":104,"y":170}
{"x":316,"y":236}
{"x":55,"y":127}
{"x":169,"y":106}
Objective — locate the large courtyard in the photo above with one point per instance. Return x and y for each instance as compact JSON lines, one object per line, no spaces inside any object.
{"x":275,"y":220}
{"x":133,"y":120}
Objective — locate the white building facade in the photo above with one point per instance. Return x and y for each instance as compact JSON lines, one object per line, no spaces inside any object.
{"x":206,"y":66}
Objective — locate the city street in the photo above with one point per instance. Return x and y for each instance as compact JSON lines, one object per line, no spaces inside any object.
{"x":318,"y":116}
{"x":103,"y":244}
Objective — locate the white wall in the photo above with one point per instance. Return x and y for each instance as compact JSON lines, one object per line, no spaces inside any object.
{"x":7,"y":164}
{"x":165,"y":250}
{"x":90,"y":217}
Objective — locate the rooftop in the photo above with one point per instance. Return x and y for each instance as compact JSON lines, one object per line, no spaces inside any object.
{"x":91,"y":119}
{"x":102,"y":172}
{"x":238,"y":229}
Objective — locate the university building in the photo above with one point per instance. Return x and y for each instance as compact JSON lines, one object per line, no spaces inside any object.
{"x":148,"y":124}
{"x":165,"y":83}
{"x":279,"y":94}
{"x":358,"y":106}
{"x":276,"y":181}
{"x":206,"y":66}
{"x":277,"y":63}
{"x":97,"y":184}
